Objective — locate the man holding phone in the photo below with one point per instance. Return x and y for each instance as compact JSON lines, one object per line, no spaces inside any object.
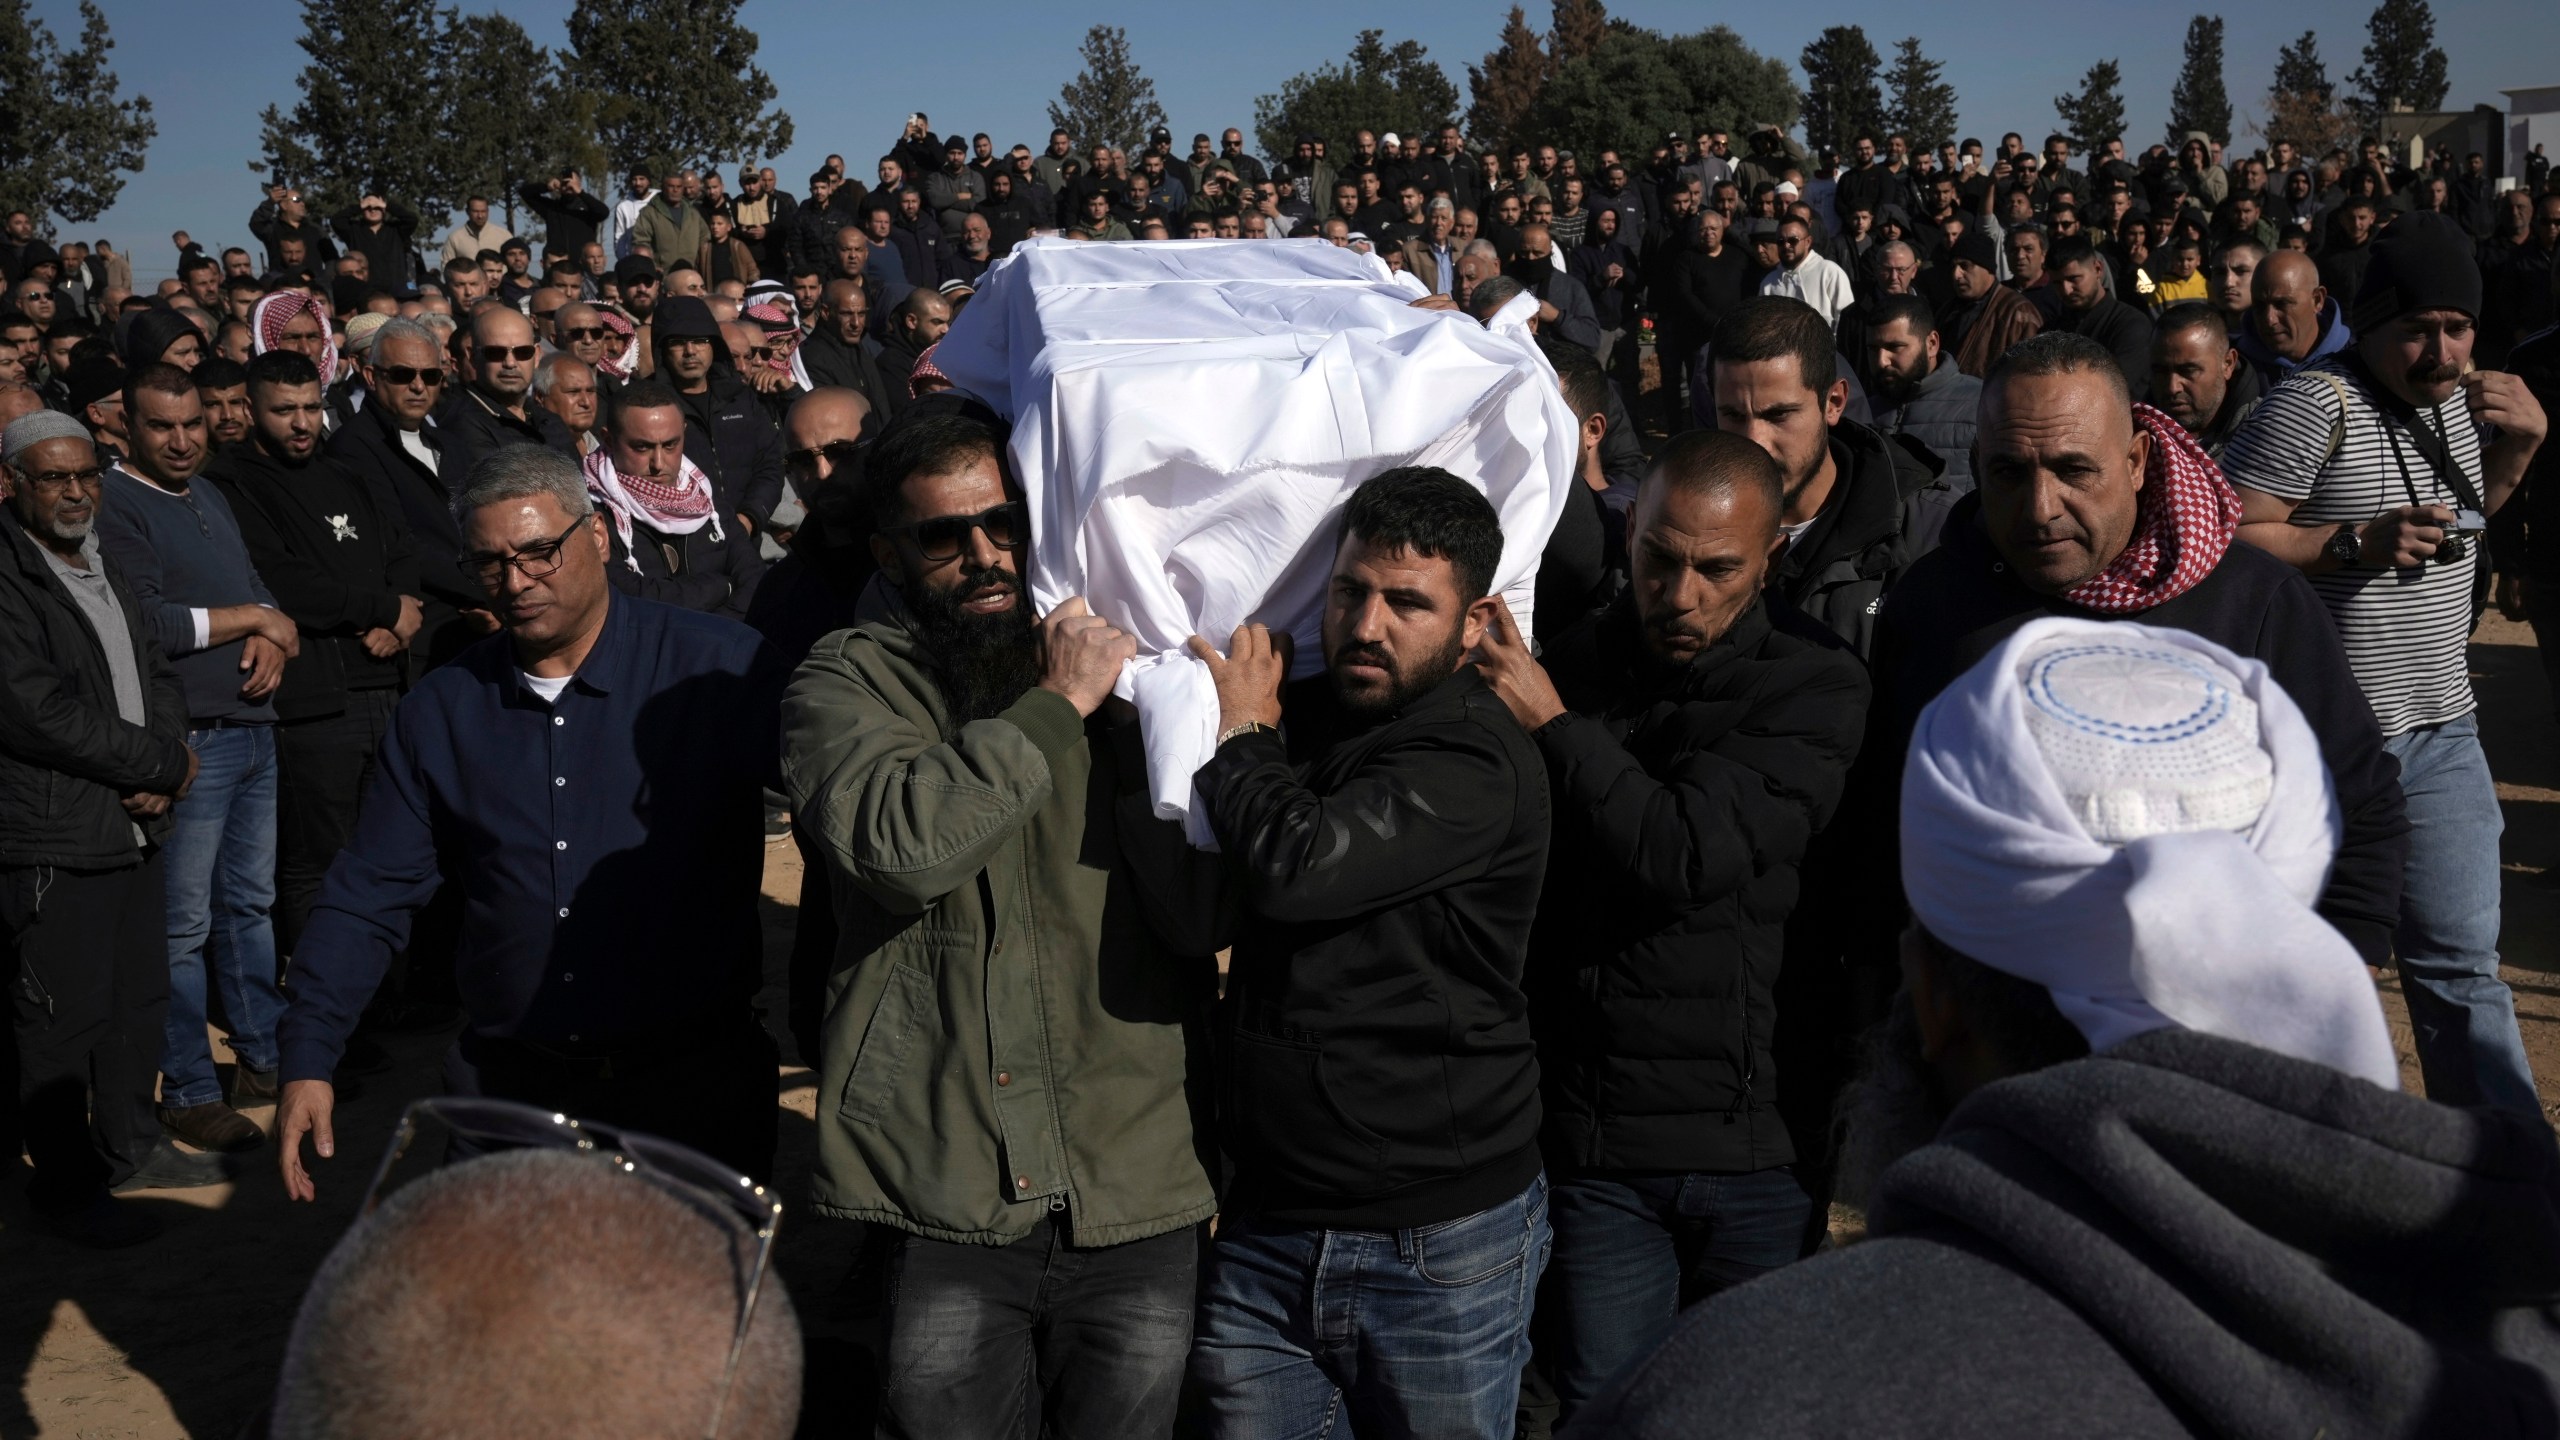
{"x":2374,"y":470}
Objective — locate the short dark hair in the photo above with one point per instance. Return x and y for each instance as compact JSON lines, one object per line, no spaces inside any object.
{"x":216,"y":372}
{"x":237,"y":283}
{"x":281,"y":367}
{"x":1774,"y":327}
{"x":1718,"y":462}
{"x":2057,"y":352}
{"x":165,"y":378}
{"x":2193,"y":315}
{"x":1578,"y":374}
{"x":461,"y":266}
{"x":1425,"y":510}
{"x":925,"y":443}
{"x":195,"y":262}
{"x":1914,"y":308}
{"x":2070,"y":250}
{"x":647,"y":393}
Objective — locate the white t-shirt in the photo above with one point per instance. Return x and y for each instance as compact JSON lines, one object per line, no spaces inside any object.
{"x":417,"y":446}
{"x":548,"y":687}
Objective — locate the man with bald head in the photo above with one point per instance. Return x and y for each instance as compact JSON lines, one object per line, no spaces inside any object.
{"x":840,"y":351}
{"x":916,"y":325}
{"x":2293,"y":320}
{"x":493,"y":406}
{"x":1748,"y":715}
{"x":2075,"y":503}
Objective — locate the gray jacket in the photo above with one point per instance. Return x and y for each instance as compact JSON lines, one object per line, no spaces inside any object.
{"x":1939,"y":414}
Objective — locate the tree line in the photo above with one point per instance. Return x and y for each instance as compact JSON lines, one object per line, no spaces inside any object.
{"x":433,"y":105}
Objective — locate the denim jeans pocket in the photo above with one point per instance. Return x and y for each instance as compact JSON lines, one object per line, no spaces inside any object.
{"x":1475,"y":1248}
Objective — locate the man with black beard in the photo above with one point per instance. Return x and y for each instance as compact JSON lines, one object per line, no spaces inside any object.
{"x":2112,"y":1182}
{"x":1387,"y":855}
{"x":1022,"y":976}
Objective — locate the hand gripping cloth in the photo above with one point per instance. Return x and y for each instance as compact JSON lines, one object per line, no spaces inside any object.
{"x":2139,"y":821}
{"x":1190,"y":416}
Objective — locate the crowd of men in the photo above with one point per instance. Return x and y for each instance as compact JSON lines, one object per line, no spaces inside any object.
{"x":388,"y":638}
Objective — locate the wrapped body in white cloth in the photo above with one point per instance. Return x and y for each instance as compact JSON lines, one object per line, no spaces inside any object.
{"x":1190,"y":416}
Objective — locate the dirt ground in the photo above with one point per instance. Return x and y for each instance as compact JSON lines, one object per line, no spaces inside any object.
{"x":181,"y":1337}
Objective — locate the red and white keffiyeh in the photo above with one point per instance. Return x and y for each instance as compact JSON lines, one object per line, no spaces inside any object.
{"x":670,"y":509}
{"x":624,"y":350}
{"x":2184,"y":522}
{"x":928,"y":378}
{"x":272,"y":313}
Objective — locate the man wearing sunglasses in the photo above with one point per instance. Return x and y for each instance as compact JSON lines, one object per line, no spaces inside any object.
{"x":493,"y":406}
{"x":591,"y":783}
{"x":390,"y":443}
{"x":1007,"y":1020}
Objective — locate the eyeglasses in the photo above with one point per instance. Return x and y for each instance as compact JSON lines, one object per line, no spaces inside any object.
{"x":583,"y":332}
{"x":702,"y":1183}
{"x":802,"y":465}
{"x":943,"y":537}
{"x":533,"y":562}
{"x":395,"y":376}
{"x":493,"y":354}
{"x":64,"y":479}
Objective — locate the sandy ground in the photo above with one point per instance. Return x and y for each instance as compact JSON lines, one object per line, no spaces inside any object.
{"x":181,"y":1337}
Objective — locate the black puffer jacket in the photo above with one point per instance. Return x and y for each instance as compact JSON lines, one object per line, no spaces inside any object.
{"x":1891,"y":500}
{"x":1684,"y":799}
{"x":67,"y":758}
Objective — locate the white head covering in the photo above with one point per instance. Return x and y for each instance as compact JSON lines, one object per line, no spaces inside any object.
{"x":2139,"y":820}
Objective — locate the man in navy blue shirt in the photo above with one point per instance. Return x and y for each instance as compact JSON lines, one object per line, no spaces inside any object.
{"x":591,"y":781}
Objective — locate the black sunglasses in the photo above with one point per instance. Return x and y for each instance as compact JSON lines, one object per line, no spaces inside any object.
{"x":398,"y":375}
{"x":803,"y":464}
{"x":583,"y":332}
{"x":492,"y":354}
{"x":944,"y":536}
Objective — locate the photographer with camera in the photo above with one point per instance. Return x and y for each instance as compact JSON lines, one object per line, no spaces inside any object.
{"x":2373,"y":471}
{"x":570,"y":216}
{"x":383,"y":231}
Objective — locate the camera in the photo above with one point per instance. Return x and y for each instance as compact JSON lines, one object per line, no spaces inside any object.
{"x":2456,"y":545}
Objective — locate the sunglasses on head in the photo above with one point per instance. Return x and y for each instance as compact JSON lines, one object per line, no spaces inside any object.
{"x":493,"y":354}
{"x":396,"y":376}
{"x":943,"y":537}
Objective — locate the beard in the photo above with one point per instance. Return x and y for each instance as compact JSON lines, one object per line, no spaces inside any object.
{"x":982,"y":662}
{"x":1894,"y":1107}
{"x":1403,"y":687}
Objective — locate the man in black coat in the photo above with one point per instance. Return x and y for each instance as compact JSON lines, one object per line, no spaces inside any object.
{"x":571,"y":217}
{"x":1696,"y":736}
{"x":390,"y":443}
{"x":333,"y":549}
{"x":2080,"y":289}
{"x":727,"y":432}
{"x":839,"y":352}
{"x":93,"y":743}
{"x":494,"y":405}
{"x":1376,"y":1038}
{"x":671,"y":541}
{"x":2026,"y":542}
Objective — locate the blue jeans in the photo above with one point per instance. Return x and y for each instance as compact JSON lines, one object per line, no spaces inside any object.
{"x":221,"y":867}
{"x":1632,"y":1251}
{"x":2464,"y":1015}
{"x":1418,"y":1332}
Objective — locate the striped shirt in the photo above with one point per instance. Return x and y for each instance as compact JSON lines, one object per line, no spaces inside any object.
{"x":2405,"y":630}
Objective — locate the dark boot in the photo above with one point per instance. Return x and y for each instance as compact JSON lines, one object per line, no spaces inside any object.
{"x":252,"y":1087}
{"x":169,"y":1168}
{"x":212,"y":1126}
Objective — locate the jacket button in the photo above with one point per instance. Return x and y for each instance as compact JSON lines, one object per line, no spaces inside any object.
{"x":1004,"y":1077}
{"x":1021,"y":1182}
{"x":998,"y":950}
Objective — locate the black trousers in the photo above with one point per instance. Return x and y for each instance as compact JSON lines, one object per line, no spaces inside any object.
{"x":716,"y":1093}
{"x":89,"y":1006}
{"x":323,"y":767}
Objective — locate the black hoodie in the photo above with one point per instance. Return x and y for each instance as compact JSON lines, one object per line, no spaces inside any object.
{"x":2181,"y":1236}
{"x":1884,"y":513}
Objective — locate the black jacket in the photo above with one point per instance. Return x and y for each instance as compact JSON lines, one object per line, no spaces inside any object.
{"x":369,"y":445}
{"x":1379,"y":1069}
{"x":855,"y":367}
{"x":335,"y":552}
{"x":700,"y":571}
{"x":569,"y":221}
{"x":67,"y":757}
{"x":2184,"y":1236}
{"x":1685,"y":797}
{"x":2524,"y":535}
{"x":2124,"y":330}
{"x":817,"y":588}
{"x":1884,"y":513}
{"x":1959,"y":604}
{"x":389,"y":253}
{"x":471,"y":427}
{"x":728,"y":434}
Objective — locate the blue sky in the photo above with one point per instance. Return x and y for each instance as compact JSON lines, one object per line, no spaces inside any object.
{"x":848,"y":80}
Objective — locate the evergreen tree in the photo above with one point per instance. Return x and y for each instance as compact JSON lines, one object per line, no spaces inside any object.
{"x":673,"y":83}
{"x":2096,"y":114}
{"x":2302,"y":107}
{"x":1840,"y":95}
{"x":1109,"y":101}
{"x":67,"y":138}
{"x":1506,"y":86}
{"x":1922,"y":106}
{"x":1379,"y":87}
{"x":2199,"y":102}
{"x":1576,"y":29}
{"x":2403,"y":69}
{"x":372,"y":109}
{"x":508,"y":121}
{"x":1641,"y":82}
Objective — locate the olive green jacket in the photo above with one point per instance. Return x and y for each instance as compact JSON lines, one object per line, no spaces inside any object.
{"x":1016,"y":1013}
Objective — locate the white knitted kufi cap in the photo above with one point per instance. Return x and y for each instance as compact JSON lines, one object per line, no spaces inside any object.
{"x":2144,"y":739}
